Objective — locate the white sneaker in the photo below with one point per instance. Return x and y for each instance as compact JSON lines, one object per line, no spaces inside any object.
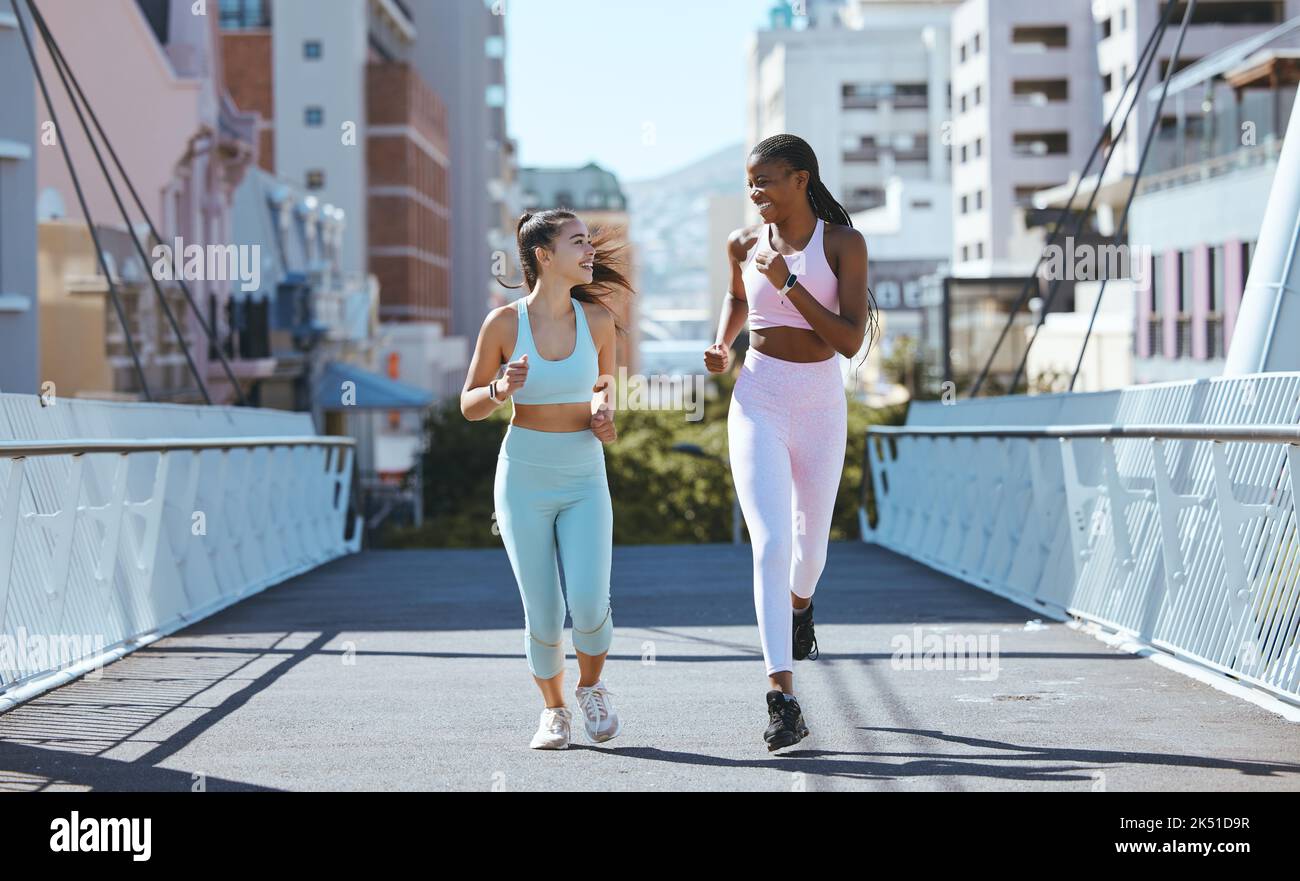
{"x":598,"y":713}
{"x":553,"y":729}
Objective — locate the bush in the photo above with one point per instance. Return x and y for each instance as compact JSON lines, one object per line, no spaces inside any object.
{"x":660,"y":496}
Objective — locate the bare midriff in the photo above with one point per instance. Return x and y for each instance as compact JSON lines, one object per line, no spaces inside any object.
{"x":552,"y":417}
{"x":791,"y":344}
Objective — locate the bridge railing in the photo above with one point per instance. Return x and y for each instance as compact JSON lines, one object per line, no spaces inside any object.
{"x":108,"y":542}
{"x":1167,"y":513}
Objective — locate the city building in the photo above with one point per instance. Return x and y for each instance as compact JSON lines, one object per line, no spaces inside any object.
{"x":166,"y":65}
{"x":1026,"y":110}
{"x":1198,"y":208}
{"x":865,"y":83}
{"x":460,"y":52}
{"x":19,"y":339}
{"x":354,"y":120}
{"x":1123,"y":27}
{"x":907,"y":242}
{"x":1198,"y":220}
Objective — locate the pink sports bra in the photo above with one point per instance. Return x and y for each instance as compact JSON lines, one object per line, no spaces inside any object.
{"x":767,"y":308}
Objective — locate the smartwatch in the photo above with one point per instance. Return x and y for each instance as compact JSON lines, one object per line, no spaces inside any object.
{"x":789,"y":283}
{"x":492,"y":391}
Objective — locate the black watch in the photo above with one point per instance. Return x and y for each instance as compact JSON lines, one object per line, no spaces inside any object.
{"x":789,"y":283}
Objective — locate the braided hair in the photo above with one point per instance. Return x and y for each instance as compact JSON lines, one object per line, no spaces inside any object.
{"x":609,"y":267}
{"x":798,"y":155}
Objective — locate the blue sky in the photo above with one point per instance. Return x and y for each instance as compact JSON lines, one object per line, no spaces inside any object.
{"x":642,"y":87}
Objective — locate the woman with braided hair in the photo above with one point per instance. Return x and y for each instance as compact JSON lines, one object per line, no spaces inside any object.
{"x":800,"y":277}
{"x":551,"y":494}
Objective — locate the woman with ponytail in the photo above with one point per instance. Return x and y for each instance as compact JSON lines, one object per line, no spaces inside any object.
{"x":800,"y":277}
{"x":551,"y":496}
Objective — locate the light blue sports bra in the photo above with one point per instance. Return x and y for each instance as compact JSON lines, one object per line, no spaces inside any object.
{"x":567,"y":381}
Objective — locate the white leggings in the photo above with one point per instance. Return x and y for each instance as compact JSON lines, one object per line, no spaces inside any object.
{"x":787,"y":431}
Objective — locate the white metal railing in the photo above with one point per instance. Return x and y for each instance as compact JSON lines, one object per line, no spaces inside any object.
{"x":1166,"y":512}
{"x":110,"y":542}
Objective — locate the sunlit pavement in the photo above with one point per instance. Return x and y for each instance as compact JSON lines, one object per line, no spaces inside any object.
{"x":405,"y":670}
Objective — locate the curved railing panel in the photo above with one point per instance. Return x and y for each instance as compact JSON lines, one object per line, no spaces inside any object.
{"x":1166,"y":512}
{"x":121,"y":522}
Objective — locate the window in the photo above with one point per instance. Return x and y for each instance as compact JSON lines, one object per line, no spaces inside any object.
{"x":1123,"y":18}
{"x":922,"y":204}
{"x":315,"y":179}
{"x":1105,"y":29}
{"x":911,"y":147}
{"x":1232,"y":12}
{"x":1185,"y":275}
{"x":240,"y":14}
{"x":1155,"y":325}
{"x":963,"y":103}
{"x":979,"y":147}
{"x":1216,"y":279}
{"x":976,"y":49}
{"x":912,"y":96}
{"x":1028,"y":144}
{"x":1040,"y":92}
{"x":1214,"y":347}
{"x":979,"y":250}
{"x":965,"y":253}
{"x":311,"y":50}
{"x":979,"y":200}
{"x":1039,"y":39}
{"x":866,"y":150}
{"x":864,"y":199}
{"x":961,"y":53}
{"x":979,"y":95}
{"x":1107,"y":83}
{"x":314,"y":116}
{"x":965,"y":205}
{"x":1024,"y":195}
{"x":963,"y":154}
{"x":495,"y":46}
{"x":495,"y":95}
{"x":865,"y":96}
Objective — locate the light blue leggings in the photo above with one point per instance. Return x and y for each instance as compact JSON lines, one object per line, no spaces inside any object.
{"x":551,"y":495}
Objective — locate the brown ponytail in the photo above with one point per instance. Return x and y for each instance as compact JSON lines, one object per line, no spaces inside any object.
{"x":609,"y":268}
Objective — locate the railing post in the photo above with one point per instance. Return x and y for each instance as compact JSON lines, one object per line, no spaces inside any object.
{"x":1233,"y":516}
{"x":1077,"y":497}
{"x":9,"y":531}
{"x":1168,"y":505}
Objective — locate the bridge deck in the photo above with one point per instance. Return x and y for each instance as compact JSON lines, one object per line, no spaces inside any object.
{"x":404,"y":670}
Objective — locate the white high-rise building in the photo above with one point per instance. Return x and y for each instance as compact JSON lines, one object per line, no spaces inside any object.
{"x":1026,"y":111}
{"x":1123,"y":27}
{"x":865,"y":83}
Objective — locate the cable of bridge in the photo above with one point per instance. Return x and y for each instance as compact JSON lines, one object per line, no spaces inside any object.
{"x":71,"y":84}
{"x":85,"y":208}
{"x":60,"y":67}
{"x":1121,"y":229}
{"x":1143,"y":66}
{"x":1137,"y":178}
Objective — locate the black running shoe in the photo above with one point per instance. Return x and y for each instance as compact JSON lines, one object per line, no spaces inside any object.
{"x":787,"y":726}
{"x":805,"y":638}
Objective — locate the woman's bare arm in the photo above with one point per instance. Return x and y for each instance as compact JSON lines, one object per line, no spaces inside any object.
{"x":489,"y":355}
{"x":602,"y":399}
